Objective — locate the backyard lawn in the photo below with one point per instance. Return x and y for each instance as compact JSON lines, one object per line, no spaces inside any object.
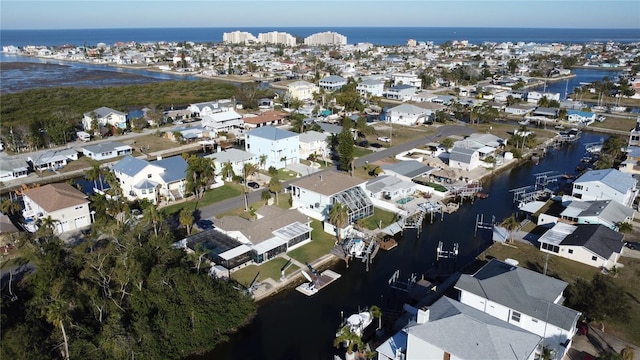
{"x":380,"y":218}
{"x":321,"y":244}
{"x":211,"y":196}
{"x":568,"y":270}
{"x":270,"y":269}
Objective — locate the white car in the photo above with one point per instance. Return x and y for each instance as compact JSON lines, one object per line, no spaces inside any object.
{"x":384,"y":139}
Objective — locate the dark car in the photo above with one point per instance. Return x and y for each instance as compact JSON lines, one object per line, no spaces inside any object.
{"x":205,"y":224}
{"x":253,"y":185}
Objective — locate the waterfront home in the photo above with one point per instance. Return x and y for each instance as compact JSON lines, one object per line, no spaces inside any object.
{"x":388,"y":187}
{"x":519,"y":109}
{"x":52,"y":159}
{"x":274,"y":231}
{"x":302,"y":90}
{"x":400,"y":92}
{"x":207,"y":108}
{"x":535,"y":96}
{"x":219,"y":248}
{"x":222,"y":121}
{"x":236,"y":157}
{"x":313,"y":142}
{"x":464,"y":158}
{"x":104,"y":116}
{"x":140,"y":179}
{"x":524,"y":298}
{"x":469,"y":153}
{"x":370,"y":87}
{"x":187,"y":134}
{"x":315,"y":195}
{"x":332,"y":83}
{"x":634,"y":134}
{"x":606,"y":184}
{"x":631,"y":164}
{"x":449,"y":329}
{"x":546,"y":113}
{"x":582,"y":118}
{"x":407,"y":114}
{"x":591,"y":244}
{"x":282,"y":147}
{"x":605,"y":212}
{"x":267,"y":118}
{"x":106,"y":150}
{"x":66,"y":205}
{"x":13,"y":168}
{"x":406,"y":79}
{"x":407,"y":169}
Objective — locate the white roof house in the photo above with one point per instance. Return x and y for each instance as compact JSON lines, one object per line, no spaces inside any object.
{"x":106,"y":150}
{"x":607,"y":184}
{"x":53,"y":159}
{"x":222,"y":121}
{"x":12,"y":168}
{"x":407,"y":114}
{"x":332,"y":82}
{"x":313,"y":142}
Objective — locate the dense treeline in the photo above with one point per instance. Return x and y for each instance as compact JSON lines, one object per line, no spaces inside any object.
{"x":127,"y":294}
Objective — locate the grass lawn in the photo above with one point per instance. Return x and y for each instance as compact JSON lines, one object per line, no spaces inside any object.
{"x":283,"y":203}
{"x":283,"y":174}
{"x":615,"y":123}
{"x":211,"y":196}
{"x":379,"y":215}
{"x":568,"y":270}
{"x":321,"y":244}
{"x":152,"y":143}
{"x":437,"y":187}
{"x":270,"y":269}
{"x":360,"y":152}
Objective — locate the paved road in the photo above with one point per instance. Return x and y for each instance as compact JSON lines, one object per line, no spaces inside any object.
{"x":209,"y":212}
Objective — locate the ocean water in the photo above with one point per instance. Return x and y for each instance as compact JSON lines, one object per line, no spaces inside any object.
{"x":375,"y":35}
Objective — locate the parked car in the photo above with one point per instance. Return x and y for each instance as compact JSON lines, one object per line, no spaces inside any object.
{"x":253,"y":185}
{"x":205,"y":224}
{"x":384,"y":139}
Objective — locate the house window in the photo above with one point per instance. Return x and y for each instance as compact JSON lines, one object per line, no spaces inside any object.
{"x":594,"y":258}
{"x":577,"y":187}
{"x":570,"y":251}
{"x":148,"y":176}
{"x":534,"y":320}
{"x":515,"y":316}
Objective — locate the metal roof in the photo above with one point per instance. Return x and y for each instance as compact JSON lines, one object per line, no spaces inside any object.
{"x":271,"y":133}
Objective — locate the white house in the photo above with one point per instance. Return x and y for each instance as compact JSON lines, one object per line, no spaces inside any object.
{"x":604,"y":212}
{"x":387,"y":187}
{"x":140,"y":179}
{"x":407,"y":114}
{"x":206,"y":108}
{"x":332,"y":83}
{"x":400,"y":92}
{"x":535,"y":96}
{"x":607,"y":184}
{"x":315,"y":195}
{"x":106,"y":150}
{"x":237,"y":158}
{"x":583,"y":118}
{"x":267,"y":118}
{"x":591,"y":244}
{"x":313,"y":142}
{"x":631,"y":164}
{"x":67,"y":206}
{"x":464,"y":158}
{"x":105,"y":116}
{"x":449,"y":329}
{"x":282,"y":147}
{"x":370,"y":87}
{"x":222,"y":121}
{"x":407,"y":79}
{"x":634,"y":134}
{"x":13,"y":168}
{"x":519,"y":109}
{"x":53,"y":159}
{"x":302,"y":90}
{"x":524,"y":298}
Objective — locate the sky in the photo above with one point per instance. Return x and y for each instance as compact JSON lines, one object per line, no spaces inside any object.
{"x":93,"y":14}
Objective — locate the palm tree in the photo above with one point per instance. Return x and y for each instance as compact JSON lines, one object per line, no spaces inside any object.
{"x":95,"y":173}
{"x":154,"y":216}
{"x":263,"y":161}
{"x":510,"y":223}
{"x":339,"y":217}
{"x":346,"y":335}
{"x":227,"y":171}
{"x":624,"y":227}
{"x":10,"y":207}
{"x":186,"y":219}
{"x":56,"y":314}
{"x":376,"y":312}
{"x":48,"y":225}
{"x":266,"y":195}
{"x":249,"y":169}
{"x":275,"y":186}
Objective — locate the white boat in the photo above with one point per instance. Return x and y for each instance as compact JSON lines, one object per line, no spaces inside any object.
{"x":356,"y":323}
{"x":30,"y":225}
{"x":357,"y":247}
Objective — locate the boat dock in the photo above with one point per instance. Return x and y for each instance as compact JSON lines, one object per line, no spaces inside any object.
{"x":311,"y":288}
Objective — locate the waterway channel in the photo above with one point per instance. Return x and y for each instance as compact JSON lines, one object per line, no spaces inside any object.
{"x":291,"y":325}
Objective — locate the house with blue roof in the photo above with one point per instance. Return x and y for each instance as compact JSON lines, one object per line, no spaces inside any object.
{"x":583,"y":118}
{"x":155,"y":180}
{"x":282,"y":147}
{"x":606,"y":184}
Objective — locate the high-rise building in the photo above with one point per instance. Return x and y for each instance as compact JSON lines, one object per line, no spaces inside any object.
{"x":279,"y":38}
{"x":239,"y":37}
{"x":325,"y":38}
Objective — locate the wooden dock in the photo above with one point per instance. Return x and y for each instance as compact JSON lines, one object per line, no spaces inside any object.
{"x":320,"y":282}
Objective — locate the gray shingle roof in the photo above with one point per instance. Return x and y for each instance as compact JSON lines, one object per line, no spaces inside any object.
{"x":104,"y":111}
{"x":607,"y":210}
{"x":104,"y":147}
{"x":408,"y":168}
{"x":467,"y":333}
{"x":522,"y":290}
{"x":461,"y":154}
{"x":597,"y":238}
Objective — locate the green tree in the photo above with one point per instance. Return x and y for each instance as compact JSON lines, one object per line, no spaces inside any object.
{"x":227,"y":171}
{"x":10,"y":207}
{"x":376,"y":312}
{"x":345,"y":146}
{"x":248,"y":170}
{"x":186,"y":219}
{"x":510,"y":223}
{"x":447,"y":143}
{"x":346,"y":335}
{"x":262,"y":160}
{"x":200,"y":174}
{"x":599,"y":299}
{"x":339,"y":217}
{"x":275,"y":186}
{"x":265,"y":196}
{"x":624,"y":227}
{"x":155,"y":217}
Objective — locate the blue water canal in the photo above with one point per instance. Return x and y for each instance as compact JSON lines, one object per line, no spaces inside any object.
{"x":294,"y":326}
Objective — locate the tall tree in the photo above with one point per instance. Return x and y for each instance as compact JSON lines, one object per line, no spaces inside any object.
{"x":227,"y":171}
{"x":200,"y":174}
{"x":275,"y":186}
{"x":510,"y":223}
{"x":345,"y":146}
{"x":9,"y":206}
{"x":248,"y":170}
{"x":339,"y":217}
{"x":186,"y":219}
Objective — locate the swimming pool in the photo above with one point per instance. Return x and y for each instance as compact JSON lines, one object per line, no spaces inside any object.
{"x":404,"y":200}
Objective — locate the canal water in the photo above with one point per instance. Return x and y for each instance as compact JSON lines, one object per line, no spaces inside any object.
{"x":293,"y":326}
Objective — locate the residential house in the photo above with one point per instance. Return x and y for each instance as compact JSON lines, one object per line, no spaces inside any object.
{"x":282,"y":147}
{"x":66,"y":205}
{"x":524,"y":298}
{"x":13,"y":168}
{"x":315,"y":195}
{"x":273,"y":232}
{"x":424,"y":96}
{"x":606,"y":184}
{"x":519,"y":109}
{"x":631,"y":164}
{"x":106,"y":150}
{"x":546,"y":113}
{"x":302,"y":90}
{"x":591,"y":244}
{"x":222,"y":121}
{"x":464,"y":158}
{"x":634,"y":134}
{"x":188,"y":134}
{"x":313,"y":142}
{"x":407,"y":79}
{"x":583,"y":118}
{"x":237,"y":158}
{"x":206,"y":108}
{"x":449,"y":329}
{"x":105,"y":116}
{"x":332,"y":83}
{"x":267,"y":118}
{"x":407,"y":114}
{"x":407,"y":169}
{"x":400,"y":92}
{"x":430,"y":109}
{"x":604,"y":212}
{"x":535,"y":96}
{"x":219,"y":248}
{"x":140,"y":179}
{"x":53,"y":159}
{"x":370,"y":87}
{"x":388,"y":187}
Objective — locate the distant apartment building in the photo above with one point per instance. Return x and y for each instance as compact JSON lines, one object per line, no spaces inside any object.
{"x":239,"y":37}
{"x":325,"y":38}
{"x":277,"y":38}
